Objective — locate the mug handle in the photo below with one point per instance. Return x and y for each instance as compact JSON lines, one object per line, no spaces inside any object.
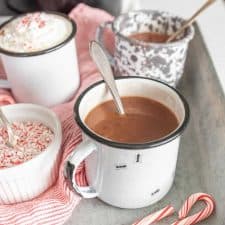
{"x":99,"y":38}
{"x":82,"y":151}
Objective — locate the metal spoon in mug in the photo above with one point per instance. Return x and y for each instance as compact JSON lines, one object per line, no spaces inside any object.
{"x":191,"y":20}
{"x":12,"y":137}
{"x":101,"y":60}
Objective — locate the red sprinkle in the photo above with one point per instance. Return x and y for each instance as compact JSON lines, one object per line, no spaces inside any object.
{"x":41,"y":24}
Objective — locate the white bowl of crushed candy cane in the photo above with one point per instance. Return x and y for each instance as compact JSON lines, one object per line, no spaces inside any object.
{"x":30,"y":167}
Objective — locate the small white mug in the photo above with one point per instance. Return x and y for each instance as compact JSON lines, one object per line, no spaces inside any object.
{"x":127,"y":175}
{"x":47,"y":77}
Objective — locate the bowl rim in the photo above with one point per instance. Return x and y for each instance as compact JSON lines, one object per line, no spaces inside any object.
{"x":189,"y":36}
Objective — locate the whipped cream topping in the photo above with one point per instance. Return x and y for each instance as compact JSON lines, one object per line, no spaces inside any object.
{"x":34,"y":32}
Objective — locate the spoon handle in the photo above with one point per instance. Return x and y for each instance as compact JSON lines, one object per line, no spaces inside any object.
{"x":190,"y":21}
{"x":101,"y":60}
{"x":12,"y":138}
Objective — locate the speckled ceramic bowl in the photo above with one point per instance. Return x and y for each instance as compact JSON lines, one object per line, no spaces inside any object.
{"x":162,"y":61}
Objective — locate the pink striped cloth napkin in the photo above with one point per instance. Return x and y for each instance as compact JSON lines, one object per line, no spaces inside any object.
{"x":55,"y":205}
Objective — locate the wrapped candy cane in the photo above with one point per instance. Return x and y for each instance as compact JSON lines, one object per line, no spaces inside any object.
{"x":157,"y":216}
{"x":183,"y":212}
{"x":188,"y":204}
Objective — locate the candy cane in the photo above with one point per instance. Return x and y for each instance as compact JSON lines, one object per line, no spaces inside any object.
{"x":188,"y":204}
{"x":33,"y":138}
{"x":157,"y":216}
{"x":183,"y":219}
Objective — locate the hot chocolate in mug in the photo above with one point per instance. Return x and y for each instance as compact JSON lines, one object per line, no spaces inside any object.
{"x":46,"y":76}
{"x":132,"y":57}
{"x":121,"y":174}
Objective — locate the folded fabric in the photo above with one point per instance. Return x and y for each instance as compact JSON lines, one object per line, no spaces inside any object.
{"x":56,"y":205}
{"x":6,"y":98}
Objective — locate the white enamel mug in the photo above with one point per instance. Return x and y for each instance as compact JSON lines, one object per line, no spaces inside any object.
{"x":47,"y":77}
{"x":121,"y":174}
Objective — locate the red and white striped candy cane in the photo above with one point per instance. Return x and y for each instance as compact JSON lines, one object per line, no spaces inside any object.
{"x":183,"y":219}
{"x":157,"y":216}
{"x":188,"y":204}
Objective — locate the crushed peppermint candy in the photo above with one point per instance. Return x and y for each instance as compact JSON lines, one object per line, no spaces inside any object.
{"x":33,"y":138}
{"x":34,"y":32}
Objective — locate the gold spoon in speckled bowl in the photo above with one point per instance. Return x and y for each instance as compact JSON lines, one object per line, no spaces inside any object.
{"x":191,"y":20}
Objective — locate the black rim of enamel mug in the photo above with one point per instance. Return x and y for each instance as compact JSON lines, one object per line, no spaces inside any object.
{"x":145,"y":145}
{"x":41,"y":52}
